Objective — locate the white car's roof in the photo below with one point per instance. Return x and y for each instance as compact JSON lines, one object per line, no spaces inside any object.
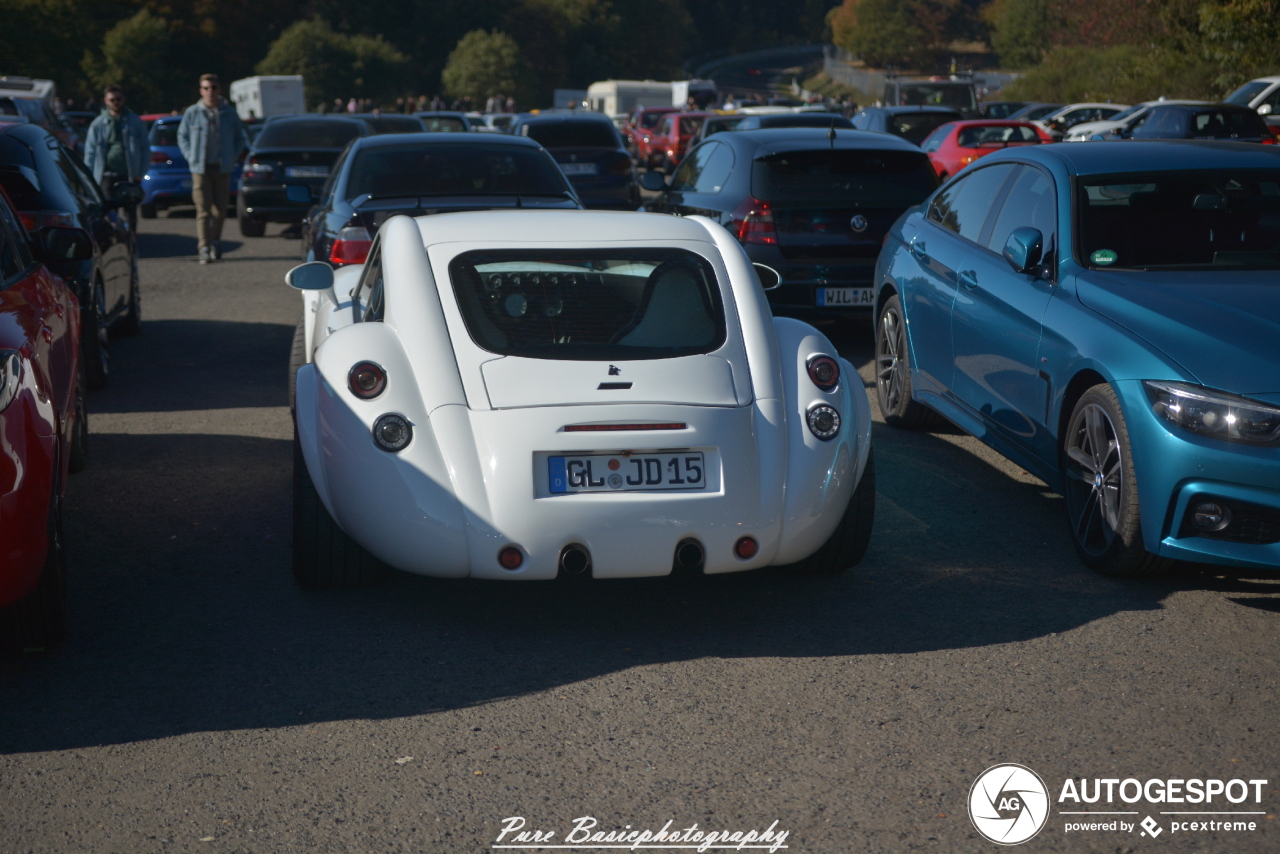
{"x":557,"y":227}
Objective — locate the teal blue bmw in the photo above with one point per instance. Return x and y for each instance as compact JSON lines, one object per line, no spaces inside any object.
{"x":1108,"y":317}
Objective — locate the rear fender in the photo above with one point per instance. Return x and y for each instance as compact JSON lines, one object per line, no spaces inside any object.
{"x":322,"y":315}
{"x":821,"y":475}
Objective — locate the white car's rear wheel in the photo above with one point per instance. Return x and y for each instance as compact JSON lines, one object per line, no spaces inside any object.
{"x":848,"y":543}
{"x":297,"y":358}
{"x":323,"y":555}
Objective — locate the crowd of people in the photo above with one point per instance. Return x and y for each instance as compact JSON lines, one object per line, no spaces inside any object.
{"x":420,"y":104}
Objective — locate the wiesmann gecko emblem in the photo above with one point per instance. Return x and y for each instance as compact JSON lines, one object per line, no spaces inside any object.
{"x":614,"y":370}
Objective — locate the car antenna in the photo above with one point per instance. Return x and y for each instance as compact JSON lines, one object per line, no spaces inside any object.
{"x":831,"y":133}
{"x":519,"y":201}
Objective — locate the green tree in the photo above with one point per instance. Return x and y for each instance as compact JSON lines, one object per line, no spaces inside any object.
{"x":899,"y":33}
{"x":1022,"y":31}
{"x":484,"y":64}
{"x":133,"y":53}
{"x":1240,"y":39}
{"x":335,"y":65}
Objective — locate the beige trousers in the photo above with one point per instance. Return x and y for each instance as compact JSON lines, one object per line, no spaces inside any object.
{"x":210,"y":192}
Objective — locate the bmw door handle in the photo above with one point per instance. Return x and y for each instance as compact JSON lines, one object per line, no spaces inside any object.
{"x":916,"y":247}
{"x":969,"y":279}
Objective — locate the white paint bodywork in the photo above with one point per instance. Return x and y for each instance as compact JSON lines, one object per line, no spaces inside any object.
{"x":474,"y":478}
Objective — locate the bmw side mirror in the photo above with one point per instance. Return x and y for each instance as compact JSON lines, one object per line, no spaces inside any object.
{"x":769,"y":277}
{"x":63,"y":243}
{"x":311,"y":276}
{"x":1024,"y":249}
{"x":127,"y":193}
{"x":653,"y":181}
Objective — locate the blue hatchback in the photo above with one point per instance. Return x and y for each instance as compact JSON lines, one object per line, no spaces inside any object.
{"x":168,"y":179}
{"x":1108,"y":317}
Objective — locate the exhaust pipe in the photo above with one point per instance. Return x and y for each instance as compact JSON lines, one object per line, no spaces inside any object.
{"x":689,"y":554}
{"x":574,"y":560}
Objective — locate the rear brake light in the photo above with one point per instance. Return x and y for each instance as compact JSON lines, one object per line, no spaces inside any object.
{"x":35,"y":220}
{"x":824,"y":372}
{"x":159,"y":157}
{"x":255,"y":171}
{"x":753,"y":222}
{"x":593,"y":428}
{"x":352,"y":246}
{"x":621,"y":165}
{"x":367,"y":380}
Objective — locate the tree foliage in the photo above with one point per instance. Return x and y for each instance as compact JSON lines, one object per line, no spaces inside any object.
{"x":336,"y":65}
{"x":485,"y":64}
{"x":1241,"y":38}
{"x":1022,"y":31}
{"x":130,"y":51}
{"x":901,"y":33}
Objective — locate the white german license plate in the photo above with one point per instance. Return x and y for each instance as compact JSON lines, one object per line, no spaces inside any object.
{"x":626,"y":472}
{"x":307,"y":171}
{"x":852,"y":297}
{"x":579,"y":168}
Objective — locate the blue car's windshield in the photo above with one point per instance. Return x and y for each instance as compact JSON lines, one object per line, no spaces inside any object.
{"x":1180,"y":220}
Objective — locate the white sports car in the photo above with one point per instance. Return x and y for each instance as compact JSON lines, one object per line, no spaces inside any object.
{"x":527,"y":394}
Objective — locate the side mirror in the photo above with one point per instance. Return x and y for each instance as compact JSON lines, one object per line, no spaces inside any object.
{"x":127,"y":193}
{"x":297,"y":193}
{"x":63,"y":243}
{"x":654,"y":182}
{"x":1024,"y":249}
{"x":311,"y":276}
{"x":769,"y":277}
{"x":1264,"y":109}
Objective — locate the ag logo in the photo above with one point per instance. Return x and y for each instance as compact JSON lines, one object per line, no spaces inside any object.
{"x":1008,"y":804}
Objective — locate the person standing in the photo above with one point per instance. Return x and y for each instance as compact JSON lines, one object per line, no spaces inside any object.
{"x":116,"y":147}
{"x":211,"y":138}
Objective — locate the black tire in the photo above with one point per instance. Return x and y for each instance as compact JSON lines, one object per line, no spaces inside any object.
{"x":297,"y":357}
{"x":323,"y":555}
{"x":250,"y":227}
{"x":848,"y":542}
{"x":38,"y":621}
{"x":893,"y":372}
{"x":147,"y":211}
{"x":1101,"y":489}
{"x":94,"y":340}
{"x":78,"y":453}
{"x":131,"y":323}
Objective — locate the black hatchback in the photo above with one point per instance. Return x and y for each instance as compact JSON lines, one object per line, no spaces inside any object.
{"x":287,"y":165}
{"x":1193,"y":121}
{"x":913,"y":124}
{"x":814,"y":205}
{"x":426,"y":173}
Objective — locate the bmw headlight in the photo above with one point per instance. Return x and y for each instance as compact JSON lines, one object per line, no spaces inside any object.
{"x":1215,"y":413}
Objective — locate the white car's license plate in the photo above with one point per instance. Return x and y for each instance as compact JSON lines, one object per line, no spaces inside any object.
{"x":579,"y":168}
{"x":853,"y":297}
{"x":307,"y":171}
{"x":626,"y":472}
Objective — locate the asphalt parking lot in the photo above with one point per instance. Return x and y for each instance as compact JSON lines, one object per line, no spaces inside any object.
{"x":203,"y":703}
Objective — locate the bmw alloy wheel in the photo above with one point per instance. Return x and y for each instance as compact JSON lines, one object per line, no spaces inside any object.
{"x":890,"y":369}
{"x":1094,"y":479}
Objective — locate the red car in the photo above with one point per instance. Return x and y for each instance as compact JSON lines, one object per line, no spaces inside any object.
{"x":670,"y":140}
{"x":640,"y":128}
{"x":955,"y":145}
{"x":42,"y":426}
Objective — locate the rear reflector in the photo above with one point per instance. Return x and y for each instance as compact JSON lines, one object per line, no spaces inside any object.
{"x":746,"y":548}
{"x":606,"y":428}
{"x":510,"y":558}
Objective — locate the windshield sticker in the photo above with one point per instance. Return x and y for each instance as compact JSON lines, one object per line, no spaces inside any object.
{"x":1103,"y":257}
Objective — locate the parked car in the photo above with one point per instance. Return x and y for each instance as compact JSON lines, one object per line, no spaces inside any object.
{"x":670,"y":139}
{"x":49,"y":186}
{"x":77,"y":121}
{"x":1001,"y":109}
{"x":288,"y":164}
{"x":1034,"y":112}
{"x":391,"y":122}
{"x":167,"y":183}
{"x":1216,"y":121}
{"x":587,"y":383}
{"x":1057,"y":123}
{"x":1105,"y":316}
{"x":911,"y":123}
{"x":495,"y":122}
{"x":715,"y":124}
{"x":1117,"y":125}
{"x":590,"y":152}
{"x":954,"y":93}
{"x":380,"y":176}
{"x":38,"y":112}
{"x":957,"y":144}
{"x":644,"y":121}
{"x":812,"y":208}
{"x":444,"y":121}
{"x":805,"y":119}
{"x":1262,"y":95}
{"x":43,"y":426}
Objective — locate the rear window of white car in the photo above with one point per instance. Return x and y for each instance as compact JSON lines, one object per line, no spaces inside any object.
{"x":590,"y":305}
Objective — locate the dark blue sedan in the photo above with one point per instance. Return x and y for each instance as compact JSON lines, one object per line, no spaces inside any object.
{"x":168,"y":179}
{"x":590,"y":151}
{"x":1108,"y":317}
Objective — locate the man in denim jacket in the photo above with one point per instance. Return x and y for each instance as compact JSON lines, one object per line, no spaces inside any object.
{"x":211,"y":138}
{"x":116,"y":147}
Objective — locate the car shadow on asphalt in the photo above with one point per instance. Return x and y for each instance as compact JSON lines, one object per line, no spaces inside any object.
{"x":168,"y":245}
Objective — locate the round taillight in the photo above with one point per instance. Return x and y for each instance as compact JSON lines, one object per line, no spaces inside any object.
{"x":824,"y":422}
{"x":392,"y":432}
{"x":367,"y":380}
{"x":510,"y":558}
{"x":746,"y":548}
{"x":824,"y":372}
